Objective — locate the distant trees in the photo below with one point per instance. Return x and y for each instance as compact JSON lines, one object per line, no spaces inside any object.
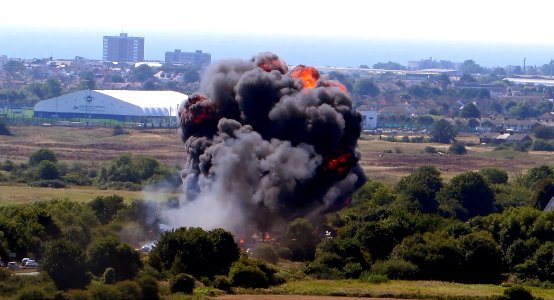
{"x":110,"y":252}
{"x":142,"y":73}
{"x":389,"y":66}
{"x":366,"y":87}
{"x":41,"y":155}
{"x":443,"y":132}
{"x":466,"y":195}
{"x":421,"y":188}
{"x":106,"y":208}
{"x":470,"y":110}
{"x":87,"y":81}
{"x":301,"y":238}
{"x":470,"y":67}
{"x":544,"y":132}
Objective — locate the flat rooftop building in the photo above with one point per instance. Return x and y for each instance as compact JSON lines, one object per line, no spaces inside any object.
{"x":123,"y":48}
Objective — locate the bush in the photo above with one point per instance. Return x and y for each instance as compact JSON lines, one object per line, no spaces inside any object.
{"x":430,"y":149}
{"x":33,"y":293}
{"x":8,"y":165}
{"x":321,"y":271}
{"x":352,"y":270}
{"x":118,"y":130}
{"x":516,"y":293}
{"x":542,"y":145}
{"x":395,"y":269}
{"x":183,"y":283}
{"x":56,"y":184}
{"x":458,"y":149}
{"x":4,"y":129}
{"x":373,"y":278}
{"x":47,"y":170}
{"x":41,"y":155}
{"x":494,"y":175}
{"x":247,"y":276}
{"x":222,"y":282}
{"x":265,"y":252}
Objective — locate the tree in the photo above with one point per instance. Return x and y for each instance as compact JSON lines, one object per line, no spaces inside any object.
{"x":389,"y":66}
{"x":366,"y":87}
{"x":106,"y":208}
{"x":195,"y":251}
{"x":470,"y":110}
{"x":42,"y":154}
{"x":482,"y":258}
{"x":470,"y":67}
{"x":64,"y":262}
{"x":443,"y":132}
{"x":110,"y":252}
{"x":142,"y":73}
{"x":471,"y":192}
{"x":47,"y":170}
{"x":544,"y":132}
{"x":4,"y":129}
{"x":421,"y":187}
{"x":301,"y":238}
{"x":87,"y":81}
{"x":457,"y":148}
{"x":52,"y":88}
{"x":543,"y":191}
{"x":443,"y":80}
{"x":494,"y":175}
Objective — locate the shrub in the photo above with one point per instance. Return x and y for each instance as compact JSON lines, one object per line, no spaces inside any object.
{"x":457,"y":148}
{"x":373,"y":278}
{"x":4,"y":129}
{"x":430,"y":149}
{"x":47,"y":170}
{"x":41,"y":155}
{"x":265,"y":252}
{"x":8,"y":165}
{"x":542,"y":145}
{"x":222,"y":282}
{"x":56,"y":184}
{"x":352,"y":270}
{"x":149,"y":286}
{"x":494,"y":175}
{"x":183,"y":283}
{"x":405,"y":139}
{"x":516,"y":293}
{"x":248,"y":276}
{"x":321,"y":271}
{"x":395,"y":269}
{"x":118,"y":130}
{"x":32,"y":293}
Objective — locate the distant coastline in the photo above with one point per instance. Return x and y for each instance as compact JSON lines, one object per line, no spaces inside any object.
{"x":317,"y":51}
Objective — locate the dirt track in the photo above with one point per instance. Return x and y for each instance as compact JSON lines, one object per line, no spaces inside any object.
{"x":296,"y":297}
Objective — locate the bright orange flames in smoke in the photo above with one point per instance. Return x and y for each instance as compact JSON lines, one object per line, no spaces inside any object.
{"x":307,"y":75}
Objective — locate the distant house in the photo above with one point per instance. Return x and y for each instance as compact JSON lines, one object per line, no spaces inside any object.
{"x":512,"y":124}
{"x":499,"y":138}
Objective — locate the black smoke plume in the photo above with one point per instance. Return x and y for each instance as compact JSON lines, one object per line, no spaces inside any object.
{"x":265,"y":145}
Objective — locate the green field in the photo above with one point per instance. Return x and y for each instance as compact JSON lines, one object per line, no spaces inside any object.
{"x":393,"y":289}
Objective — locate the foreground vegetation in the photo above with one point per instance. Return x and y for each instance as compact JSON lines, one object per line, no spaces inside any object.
{"x":484,"y":232}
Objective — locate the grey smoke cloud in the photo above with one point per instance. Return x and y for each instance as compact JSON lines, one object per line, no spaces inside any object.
{"x":263,"y":149}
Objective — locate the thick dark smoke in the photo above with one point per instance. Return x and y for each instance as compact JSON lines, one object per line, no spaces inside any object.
{"x":265,"y":146}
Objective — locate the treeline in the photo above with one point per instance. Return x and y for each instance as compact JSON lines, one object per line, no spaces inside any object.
{"x":127,"y":171}
{"x":477,"y":227}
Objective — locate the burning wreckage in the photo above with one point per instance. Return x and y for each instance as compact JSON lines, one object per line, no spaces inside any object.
{"x":265,"y":145}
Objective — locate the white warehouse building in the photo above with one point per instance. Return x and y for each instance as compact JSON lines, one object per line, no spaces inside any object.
{"x":122,"y":105}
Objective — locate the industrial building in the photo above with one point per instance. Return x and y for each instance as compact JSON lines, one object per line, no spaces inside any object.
{"x":123,"y":48}
{"x":369,"y":119}
{"x":154,"y":107}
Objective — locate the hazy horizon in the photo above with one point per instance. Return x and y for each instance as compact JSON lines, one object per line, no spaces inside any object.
{"x":310,"y":50}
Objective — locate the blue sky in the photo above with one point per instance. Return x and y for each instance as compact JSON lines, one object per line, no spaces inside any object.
{"x":526,"y":22}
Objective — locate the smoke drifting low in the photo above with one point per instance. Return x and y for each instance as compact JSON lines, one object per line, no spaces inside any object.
{"x":265,"y":145}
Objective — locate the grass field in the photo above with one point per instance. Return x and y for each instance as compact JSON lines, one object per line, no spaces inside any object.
{"x":94,"y":147}
{"x":393,"y":289}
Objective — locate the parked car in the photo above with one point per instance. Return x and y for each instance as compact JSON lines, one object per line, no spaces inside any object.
{"x":23,"y":261}
{"x":31,"y":264}
{"x":13,"y":265}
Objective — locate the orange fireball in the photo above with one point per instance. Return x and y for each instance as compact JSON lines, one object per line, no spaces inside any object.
{"x":307,"y":75}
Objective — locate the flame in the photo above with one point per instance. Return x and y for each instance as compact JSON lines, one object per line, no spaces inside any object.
{"x":339,"y":162}
{"x":307,"y":75}
{"x":197,"y":110}
{"x":333,"y":83}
